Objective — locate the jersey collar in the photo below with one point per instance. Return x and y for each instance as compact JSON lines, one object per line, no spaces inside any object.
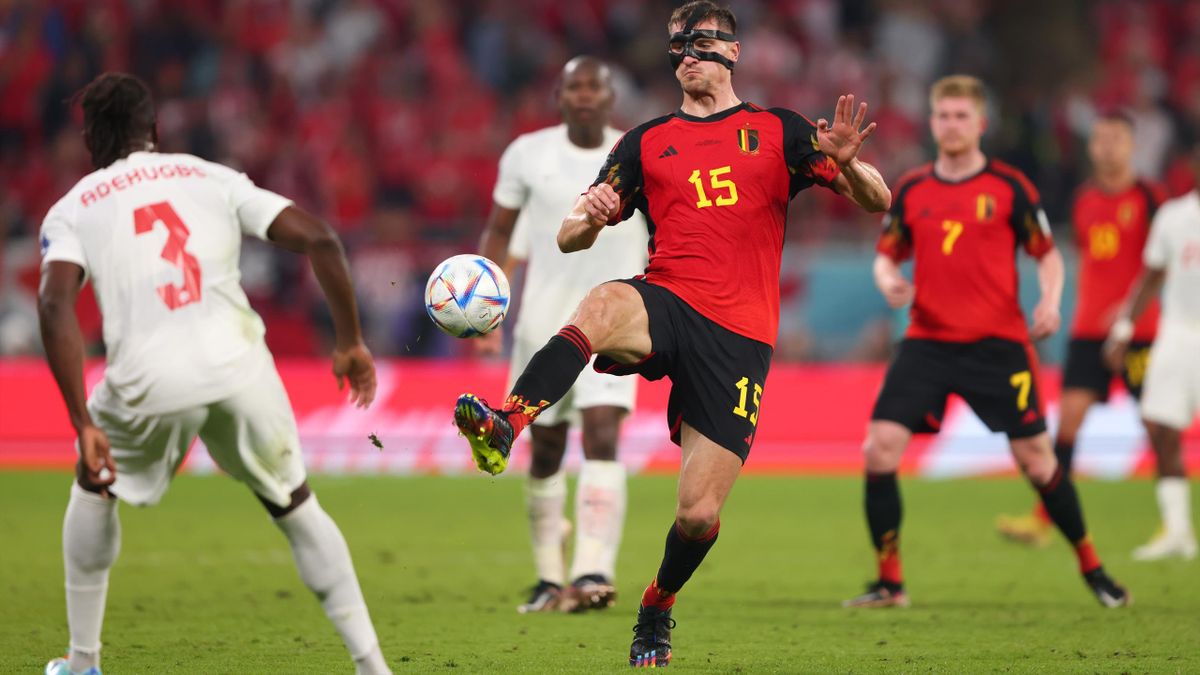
{"x":715,"y":117}
{"x":987,"y":164}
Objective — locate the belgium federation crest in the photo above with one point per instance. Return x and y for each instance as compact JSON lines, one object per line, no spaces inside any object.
{"x":747,"y":140}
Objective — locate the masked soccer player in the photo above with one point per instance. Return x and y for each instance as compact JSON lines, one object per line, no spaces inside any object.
{"x":713,"y":180}
{"x":158,"y":235}
{"x":962,"y":218}
{"x":540,"y":175}
{"x":1111,"y":218}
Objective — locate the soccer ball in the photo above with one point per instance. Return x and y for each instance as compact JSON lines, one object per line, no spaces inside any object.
{"x":467,"y":295}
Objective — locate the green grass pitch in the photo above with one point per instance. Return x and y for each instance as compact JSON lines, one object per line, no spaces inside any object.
{"x":205,"y":583}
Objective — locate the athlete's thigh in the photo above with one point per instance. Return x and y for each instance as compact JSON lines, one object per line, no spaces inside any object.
{"x":998,"y":379}
{"x":614,"y":318}
{"x":915,"y":387}
{"x":1085,"y":368}
{"x":718,"y":383}
{"x":147,"y":448}
{"x":1172,"y":382}
{"x":707,"y":470}
{"x":252,"y":436}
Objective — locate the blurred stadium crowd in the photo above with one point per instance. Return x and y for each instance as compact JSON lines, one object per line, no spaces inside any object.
{"x":388,"y":116}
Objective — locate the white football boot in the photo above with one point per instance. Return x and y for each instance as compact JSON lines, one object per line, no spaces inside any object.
{"x":59,"y":667}
{"x":1164,"y":545}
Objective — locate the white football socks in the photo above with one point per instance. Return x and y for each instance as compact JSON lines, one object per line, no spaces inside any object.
{"x":599,"y":518}
{"x":325,"y":567}
{"x":546,"y":499}
{"x":1175,"y":504}
{"x":91,"y":542}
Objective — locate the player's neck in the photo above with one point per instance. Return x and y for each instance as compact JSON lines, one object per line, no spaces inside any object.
{"x":1115,"y":181}
{"x":586,"y":137}
{"x":959,"y":166}
{"x":703,"y":105}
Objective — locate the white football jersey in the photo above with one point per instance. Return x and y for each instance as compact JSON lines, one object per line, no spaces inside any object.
{"x":159,"y":235}
{"x":543,"y":173}
{"x":1174,"y":246}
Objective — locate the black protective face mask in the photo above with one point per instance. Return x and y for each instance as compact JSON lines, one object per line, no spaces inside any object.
{"x":683,"y":44}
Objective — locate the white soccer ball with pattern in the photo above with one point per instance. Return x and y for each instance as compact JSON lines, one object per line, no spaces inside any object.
{"x":467,"y":296}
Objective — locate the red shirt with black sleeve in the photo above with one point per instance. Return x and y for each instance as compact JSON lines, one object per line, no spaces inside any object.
{"x":963,"y":236}
{"x":715,"y":193}
{"x":1111,"y":230}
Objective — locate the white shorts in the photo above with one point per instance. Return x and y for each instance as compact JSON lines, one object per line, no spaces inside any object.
{"x":251,"y":435}
{"x":592,"y":389}
{"x":1171,"y":392}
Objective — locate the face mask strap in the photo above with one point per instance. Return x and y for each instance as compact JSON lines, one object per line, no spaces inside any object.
{"x":688,"y":37}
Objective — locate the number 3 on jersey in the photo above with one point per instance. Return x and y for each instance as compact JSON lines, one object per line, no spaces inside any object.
{"x":173,"y":252}
{"x":718,"y":183}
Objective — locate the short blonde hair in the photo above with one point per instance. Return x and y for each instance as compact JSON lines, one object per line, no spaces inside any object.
{"x":956,"y":86}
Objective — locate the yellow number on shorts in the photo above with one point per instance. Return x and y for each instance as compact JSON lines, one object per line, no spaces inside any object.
{"x":953,"y":228}
{"x":1023,"y":381}
{"x":1135,"y":365}
{"x":717,"y":184}
{"x":743,"y":387}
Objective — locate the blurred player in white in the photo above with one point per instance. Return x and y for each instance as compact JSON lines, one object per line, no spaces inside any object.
{"x":1171,"y":393}
{"x":540,"y":175}
{"x":159,"y":235}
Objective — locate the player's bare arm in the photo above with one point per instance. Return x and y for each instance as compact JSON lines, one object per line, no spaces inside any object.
{"x":63,"y":342}
{"x":1147,"y":287}
{"x":841,"y":142}
{"x":298,"y":231}
{"x":896,"y":290}
{"x":1046,"y":316}
{"x":591,"y":214}
{"x":493,"y":245}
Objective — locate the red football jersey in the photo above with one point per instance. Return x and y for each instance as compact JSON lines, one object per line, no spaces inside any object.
{"x":1111,"y":231}
{"x":963,"y":236}
{"x":715,"y":193}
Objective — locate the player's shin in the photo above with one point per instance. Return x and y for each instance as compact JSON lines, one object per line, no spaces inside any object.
{"x":323,"y":560}
{"x":546,"y":499}
{"x":548,"y":376}
{"x":1062,"y":505}
{"x":682,"y":556}
{"x":884,"y":512}
{"x":91,"y":542}
{"x":600,"y":518}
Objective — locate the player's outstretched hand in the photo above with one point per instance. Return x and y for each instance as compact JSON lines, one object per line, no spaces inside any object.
{"x":1046,"y":320}
{"x":95,"y":470}
{"x":354,"y":365}
{"x":842,"y":140}
{"x":490,"y":345}
{"x":898,"y":292}
{"x":601,"y":204}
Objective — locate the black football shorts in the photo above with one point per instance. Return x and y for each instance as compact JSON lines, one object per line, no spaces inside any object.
{"x":1085,"y":368}
{"x":717,"y":376}
{"x":997,"y":378}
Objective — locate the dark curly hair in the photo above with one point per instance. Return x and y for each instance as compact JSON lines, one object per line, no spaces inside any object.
{"x":118,"y":117}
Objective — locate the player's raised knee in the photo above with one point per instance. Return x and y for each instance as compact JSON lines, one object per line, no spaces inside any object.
{"x":697,"y":519}
{"x":603,"y":311}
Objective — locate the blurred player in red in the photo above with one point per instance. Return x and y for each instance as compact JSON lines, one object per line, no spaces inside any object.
{"x":1111,"y":219}
{"x":539,"y":179}
{"x":962,"y":218}
{"x":158,"y":236}
{"x":714,"y":180}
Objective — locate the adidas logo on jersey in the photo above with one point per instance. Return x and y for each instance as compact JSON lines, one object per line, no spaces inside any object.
{"x":669,"y":152}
